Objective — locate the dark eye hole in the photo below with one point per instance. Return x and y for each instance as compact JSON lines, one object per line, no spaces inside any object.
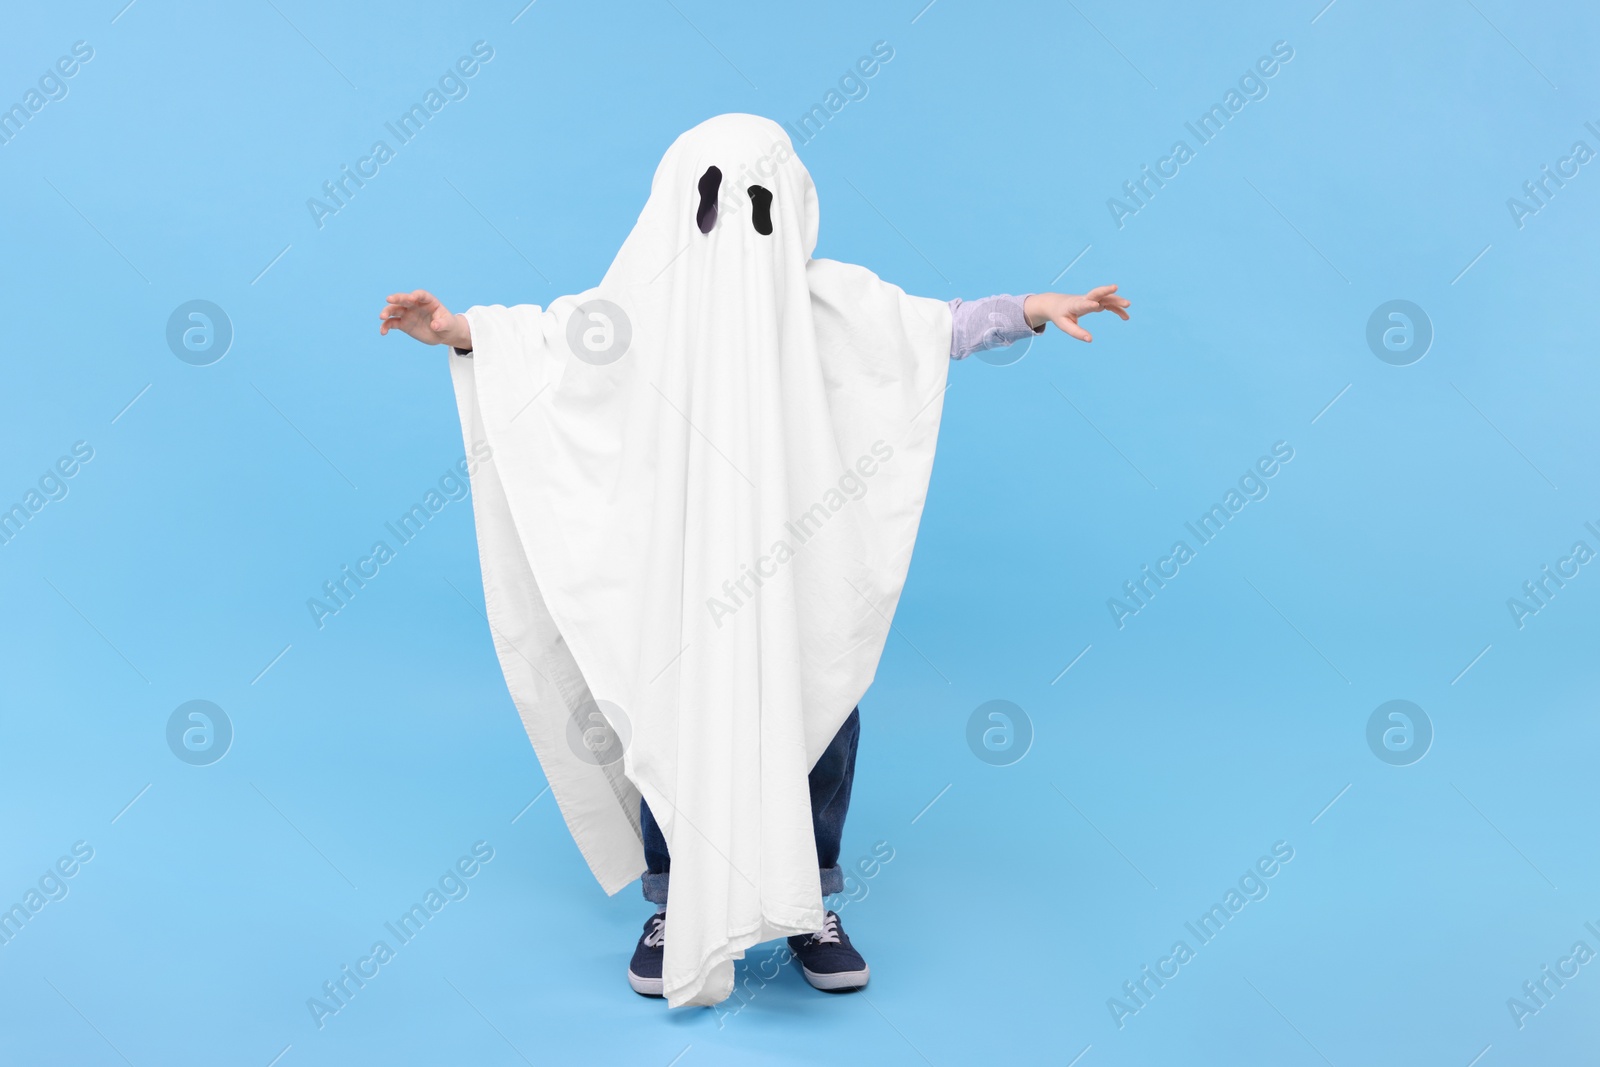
{"x":761,"y":200}
{"x":706,"y":215}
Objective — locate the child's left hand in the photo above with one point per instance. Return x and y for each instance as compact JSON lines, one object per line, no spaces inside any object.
{"x":1064,"y":309}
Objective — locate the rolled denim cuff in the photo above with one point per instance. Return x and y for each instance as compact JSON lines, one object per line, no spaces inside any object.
{"x":655,"y":885}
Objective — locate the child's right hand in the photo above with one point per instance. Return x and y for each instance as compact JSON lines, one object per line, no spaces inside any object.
{"x":422,"y":316}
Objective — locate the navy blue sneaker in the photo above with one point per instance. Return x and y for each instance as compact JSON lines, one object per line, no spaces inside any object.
{"x":644,"y":970}
{"x":828,"y":960}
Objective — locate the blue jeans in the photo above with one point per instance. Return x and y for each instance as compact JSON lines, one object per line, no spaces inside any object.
{"x":830,"y":783}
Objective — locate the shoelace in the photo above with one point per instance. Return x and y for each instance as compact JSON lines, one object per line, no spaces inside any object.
{"x":657,"y":934}
{"x":829,"y":934}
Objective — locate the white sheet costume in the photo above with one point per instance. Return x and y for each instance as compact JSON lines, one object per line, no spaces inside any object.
{"x":706,"y":481}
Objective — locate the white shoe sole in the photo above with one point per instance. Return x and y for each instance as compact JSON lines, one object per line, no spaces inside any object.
{"x":645,"y":987}
{"x":838,"y":982}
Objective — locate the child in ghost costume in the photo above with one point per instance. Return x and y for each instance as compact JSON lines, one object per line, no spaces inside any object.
{"x":704,"y":484}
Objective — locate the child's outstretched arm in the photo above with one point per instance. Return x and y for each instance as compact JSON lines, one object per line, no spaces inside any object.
{"x":422,"y":316}
{"x":998,"y":321}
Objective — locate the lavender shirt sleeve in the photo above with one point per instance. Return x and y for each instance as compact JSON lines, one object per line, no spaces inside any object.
{"x":993,"y":322}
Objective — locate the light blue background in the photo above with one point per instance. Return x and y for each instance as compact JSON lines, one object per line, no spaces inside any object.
{"x":1224,"y":717}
